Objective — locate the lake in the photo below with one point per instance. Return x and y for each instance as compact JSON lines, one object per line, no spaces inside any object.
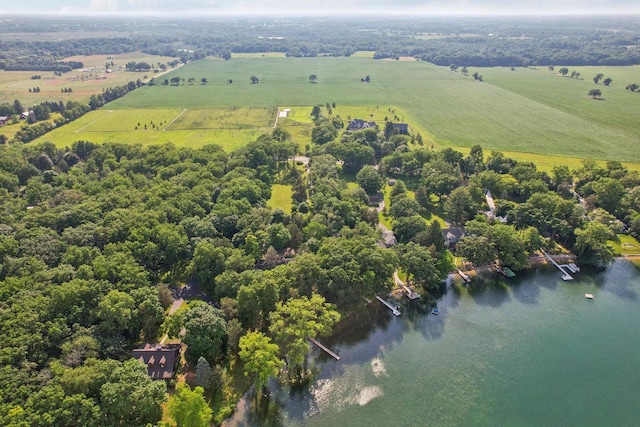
{"x":529,"y":351}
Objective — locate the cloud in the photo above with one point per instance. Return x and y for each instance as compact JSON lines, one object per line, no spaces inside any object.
{"x":327,"y":7}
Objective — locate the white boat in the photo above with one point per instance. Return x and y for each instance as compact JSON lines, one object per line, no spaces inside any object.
{"x":588,"y":296}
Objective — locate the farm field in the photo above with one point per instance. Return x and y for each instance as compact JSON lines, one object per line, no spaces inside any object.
{"x":529,"y":114}
{"x":192,"y":128}
{"x":525,"y":111}
{"x":16,"y":84}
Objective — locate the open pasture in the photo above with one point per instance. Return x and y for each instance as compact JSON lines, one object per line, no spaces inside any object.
{"x":128,"y":126}
{"x":522,"y":111}
{"x":225,"y":119}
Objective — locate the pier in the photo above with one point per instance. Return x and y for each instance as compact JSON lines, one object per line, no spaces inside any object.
{"x":464,"y":276}
{"x":325,"y":349}
{"x":565,"y":276}
{"x":411,"y":293}
{"x":394,"y":310}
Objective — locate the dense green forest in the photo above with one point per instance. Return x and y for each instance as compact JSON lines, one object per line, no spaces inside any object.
{"x":465,"y":41}
{"x":94,"y":238}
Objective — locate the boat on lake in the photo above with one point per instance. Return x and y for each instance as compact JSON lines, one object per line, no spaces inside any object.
{"x":435,"y":311}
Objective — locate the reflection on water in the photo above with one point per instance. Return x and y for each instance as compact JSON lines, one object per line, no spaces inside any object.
{"x":499,"y":353}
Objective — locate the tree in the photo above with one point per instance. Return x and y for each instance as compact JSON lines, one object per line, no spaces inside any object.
{"x":204,"y":80}
{"x":594,"y":93}
{"x":478,"y":250}
{"x":205,"y":330}
{"x":316,"y":112}
{"x":460,"y":205}
{"x":609,"y":192}
{"x":632,"y":87}
{"x":203,"y":373}
{"x":406,"y":228}
{"x":313,"y":78}
{"x":598,"y":77}
{"x":116,"y":311}
{"x":293,"y":322}
{"x":131,"y":397}
{"x":563,"y":71}
{"x":254,"y":80}
{"x":607,"y":81}
{"x":188,"y":407}
{"x":591,"y":244}
{"x":551,"y":68}
{"x":260,"y":357}
{"x":419,"y":264}
{"x":369,"y":179}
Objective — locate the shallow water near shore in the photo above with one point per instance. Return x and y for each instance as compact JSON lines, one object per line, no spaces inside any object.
{"x":528,"y":351}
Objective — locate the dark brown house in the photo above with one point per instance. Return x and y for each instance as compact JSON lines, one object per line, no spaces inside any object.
{"x":161,"y":360}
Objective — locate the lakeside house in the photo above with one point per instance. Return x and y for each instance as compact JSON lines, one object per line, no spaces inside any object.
{"x":161,"y":360}
{"x":452,"y":235}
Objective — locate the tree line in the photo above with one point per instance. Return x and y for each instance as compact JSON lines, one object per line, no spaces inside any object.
{"x":479,"y":42}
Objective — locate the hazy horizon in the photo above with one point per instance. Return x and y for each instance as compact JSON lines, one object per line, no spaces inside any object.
{"x":199,"y":8}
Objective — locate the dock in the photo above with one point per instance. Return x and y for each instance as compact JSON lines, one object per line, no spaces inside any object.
{"x":565,"y":276}
{"x":394,"y":310}
{"x":464,"y":276}
{"x":411,"y":293}
{"x":325,"y":349}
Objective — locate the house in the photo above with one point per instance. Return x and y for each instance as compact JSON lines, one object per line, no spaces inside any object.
{"x":4,"y":120}
{"x":401,"y":128}
{"x":161,"y":360}
{"x":358,"y":124}
{"x":452,"y":235}
{"x":389,"y":238}
{"x":375,"y":199}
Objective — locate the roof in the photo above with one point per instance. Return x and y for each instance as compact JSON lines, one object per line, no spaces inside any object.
{"x":453,"y":234}
{"x":401,"y":127}
{"x":161,"y":360}
{"x":389,"y":238}
{"x":3,"y":118}
{"x":358,"y":124}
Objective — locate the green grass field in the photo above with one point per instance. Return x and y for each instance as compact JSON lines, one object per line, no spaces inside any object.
{"x":281,"y":198}
{"x":193,"y":128}
{"x":529,"y":114}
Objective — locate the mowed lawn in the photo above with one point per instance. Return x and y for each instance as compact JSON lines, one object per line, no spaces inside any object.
{"x":522,"y":111}
{"x":281,"y":198}
{"x":156,"y":126}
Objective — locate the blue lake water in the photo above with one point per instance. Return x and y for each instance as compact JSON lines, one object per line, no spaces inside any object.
{"x":529,"y":351}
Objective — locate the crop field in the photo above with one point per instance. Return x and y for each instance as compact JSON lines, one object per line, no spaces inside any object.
{"x":16,"y":84}
{"x":527,"y":113}
{"x":229,"y":128}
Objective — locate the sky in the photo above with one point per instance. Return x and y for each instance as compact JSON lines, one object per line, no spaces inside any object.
{"x":321,"y":7}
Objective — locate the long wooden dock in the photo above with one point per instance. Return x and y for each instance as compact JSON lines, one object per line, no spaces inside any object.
{"x":325,"y":349}
{"x":394,"y":310}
